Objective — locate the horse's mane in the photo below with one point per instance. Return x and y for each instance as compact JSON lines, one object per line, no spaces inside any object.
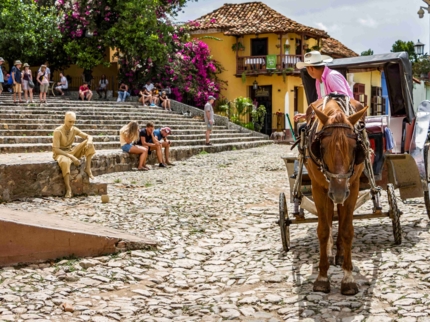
{"x":338,"y":141}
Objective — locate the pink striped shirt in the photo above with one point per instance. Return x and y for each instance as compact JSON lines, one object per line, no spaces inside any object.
{"x":333,"y":82}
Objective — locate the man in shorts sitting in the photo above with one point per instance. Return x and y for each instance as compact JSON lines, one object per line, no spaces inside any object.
{"x":148,"y":139}
{"x":62,"y":84}
{"x":85,"y":92}
{"x":160,"y":136}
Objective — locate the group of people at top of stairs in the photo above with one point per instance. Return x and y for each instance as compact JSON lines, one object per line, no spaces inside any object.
{"x":155,"y":95}
{"x":144,"y":141}
{"x":21,"y":80}
{"x":149,"y":95}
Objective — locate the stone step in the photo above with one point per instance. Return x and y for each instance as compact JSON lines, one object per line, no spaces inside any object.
{"x":59,"y":117}
{"x":100,"y":127}
{"x":97,"y":132}
{"x":113,"y":121}
{"x":115,"y":138}
{"x":45,"y":147}
{"x":93,"y":111}
{"x":77,"y":108}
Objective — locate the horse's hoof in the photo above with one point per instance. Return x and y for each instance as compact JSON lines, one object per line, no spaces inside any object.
{"x":339,"y":260}
{"x":322,"y":286}
{"x":348,"y":288}
{"x":331,"y":260}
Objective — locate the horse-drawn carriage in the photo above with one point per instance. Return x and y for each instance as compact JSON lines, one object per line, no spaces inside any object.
{"x":371,"y":166}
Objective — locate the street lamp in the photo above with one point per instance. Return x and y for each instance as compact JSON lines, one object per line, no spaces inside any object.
{"x":255,"y":85}
{"x":419,"y":48}
{"x":421,"y":11}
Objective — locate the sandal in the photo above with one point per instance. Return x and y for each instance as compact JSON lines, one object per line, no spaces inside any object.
{"x":142,"y":169}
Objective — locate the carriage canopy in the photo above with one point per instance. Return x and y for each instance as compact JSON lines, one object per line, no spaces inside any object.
{"x":398,"y":74}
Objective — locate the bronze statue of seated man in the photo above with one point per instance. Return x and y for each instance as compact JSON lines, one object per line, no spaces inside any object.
{"x":65,"y":154}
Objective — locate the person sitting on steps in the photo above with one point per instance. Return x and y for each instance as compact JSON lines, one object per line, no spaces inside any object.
{"x":127,"y":135}
{"x":160,"y":137}
{"x":148,"y":140}
{"x":145,"y":97}
{"x":123,"y":92}
{"x":155,"y":97}
{"x":165,"y":101}
{"x":62,"y":84}
{"x":65,"y":154}
{"x":103,"y":83}
{"x":85,"y":92}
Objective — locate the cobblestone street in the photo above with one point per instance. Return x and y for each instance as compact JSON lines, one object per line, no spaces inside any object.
{"x":219,"y":255}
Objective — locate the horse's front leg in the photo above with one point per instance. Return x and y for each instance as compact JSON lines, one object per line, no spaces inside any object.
{"x":325,"y":215}
{"x":345,"y":237}
{"x":339,"y":251}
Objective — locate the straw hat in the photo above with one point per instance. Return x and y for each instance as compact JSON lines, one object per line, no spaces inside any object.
{"x":26,"y":65}
{"x":17,"y":62}
{"x":314,"y":58}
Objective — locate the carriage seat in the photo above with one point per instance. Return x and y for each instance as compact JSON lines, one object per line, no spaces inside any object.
{"x":375,"y":128}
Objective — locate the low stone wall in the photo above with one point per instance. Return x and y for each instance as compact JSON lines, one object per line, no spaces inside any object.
{"x":39,"y":179}
{"x":182,"y":108}
{"x":233,"y":126}
{"x":219,"y":120}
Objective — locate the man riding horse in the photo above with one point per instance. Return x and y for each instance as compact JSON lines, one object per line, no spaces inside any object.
{"x":335,"y":150}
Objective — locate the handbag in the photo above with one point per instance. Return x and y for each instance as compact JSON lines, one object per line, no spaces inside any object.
{"x":30,"y":83}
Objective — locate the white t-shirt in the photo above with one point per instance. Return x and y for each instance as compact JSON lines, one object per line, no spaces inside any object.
{"x":103,"y":83}
{"x":64,"y":82}
{"x":149,"y":87}
{"x":47,"y":72}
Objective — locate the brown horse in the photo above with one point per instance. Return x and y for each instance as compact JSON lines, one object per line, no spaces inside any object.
{"x":335,"y":180}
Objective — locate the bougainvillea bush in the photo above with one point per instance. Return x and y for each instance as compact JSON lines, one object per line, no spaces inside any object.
{"x":148,"y":45}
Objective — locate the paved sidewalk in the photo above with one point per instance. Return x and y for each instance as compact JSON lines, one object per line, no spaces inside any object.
{"x":219,"y":257}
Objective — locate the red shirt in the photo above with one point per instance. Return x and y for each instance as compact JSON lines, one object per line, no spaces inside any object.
{"x":83,"y":88}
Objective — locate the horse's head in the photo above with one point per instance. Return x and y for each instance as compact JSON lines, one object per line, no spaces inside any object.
{"x":337,"y":147}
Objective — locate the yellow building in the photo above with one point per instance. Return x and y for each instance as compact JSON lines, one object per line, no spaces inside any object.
{"x":259,"y":48}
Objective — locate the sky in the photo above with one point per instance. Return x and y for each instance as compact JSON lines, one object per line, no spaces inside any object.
{"x":360,"y":25}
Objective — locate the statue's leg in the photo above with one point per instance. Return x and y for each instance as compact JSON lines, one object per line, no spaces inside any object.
{"x":68,"y":188}
{"x":64,"y":163}
{"x":85,"y":149}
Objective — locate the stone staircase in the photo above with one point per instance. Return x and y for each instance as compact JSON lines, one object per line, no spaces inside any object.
{"x":26,"y":138}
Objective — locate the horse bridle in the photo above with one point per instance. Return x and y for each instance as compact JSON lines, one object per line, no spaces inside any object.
{"x":318,"y":157}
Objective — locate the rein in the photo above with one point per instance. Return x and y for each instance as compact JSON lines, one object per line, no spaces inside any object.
{"x":344,"y":104}
{"x":323,"y":166}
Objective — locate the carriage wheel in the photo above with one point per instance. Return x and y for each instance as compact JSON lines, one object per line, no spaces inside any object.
{"x":394,"y":214}
{"x":427,"y":193}
{"x":427,"y":202}
{"x":284,"y":222}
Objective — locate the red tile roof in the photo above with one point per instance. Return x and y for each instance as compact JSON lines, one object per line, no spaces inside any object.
{"x":251,"y":18}
{"x":336,"y":49}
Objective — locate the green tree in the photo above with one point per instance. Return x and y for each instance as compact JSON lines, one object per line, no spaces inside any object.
{"x":407,"y":46}
{"x":137,"y":29}
{"x":421,"y":67}
{"x":29,"y":31}
{"x":368,"y":52}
